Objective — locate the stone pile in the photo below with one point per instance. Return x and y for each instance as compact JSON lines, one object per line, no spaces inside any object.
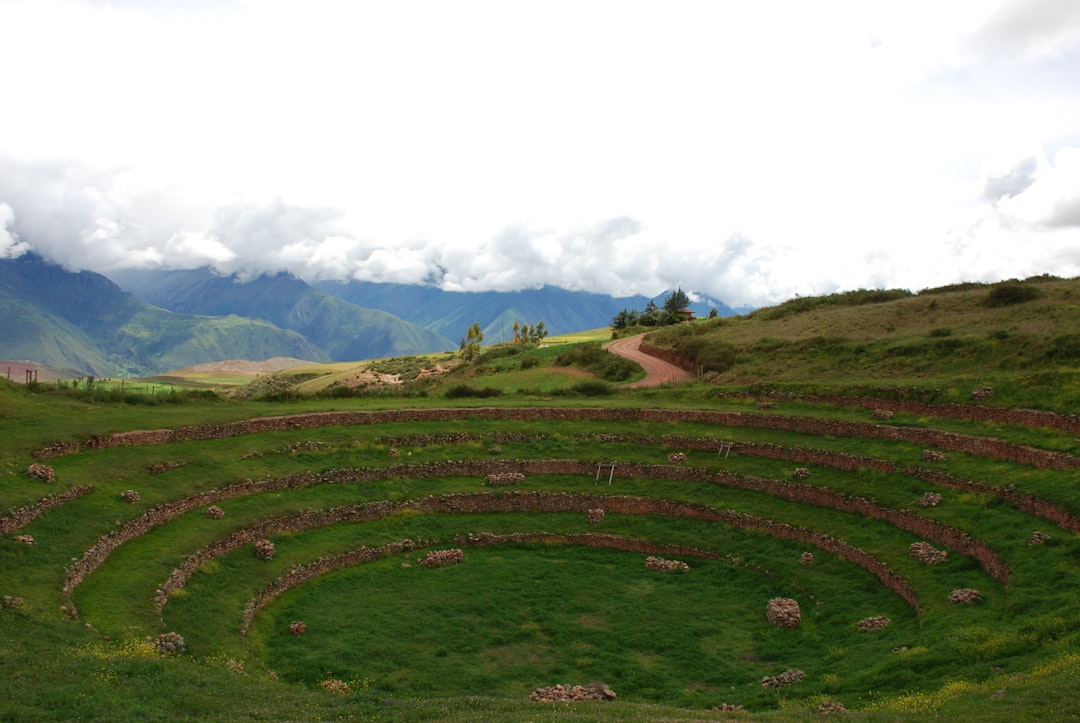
{"x":11,"y":602}
{"x":930,"y":499}
{"x":595,"y":516}
{"x":783,"y":612}
{"x":1038,"y":538}
{"x":728,"y":708}
{"x":659,"y":564}
{"x":964,"y":595}
{"x":131,"y":496}
{"x":332,"y":685}
{"x":932,"y":455}
{"x":264,"y":549}
{"x":831,"y":706}
{"x":41,"y":472}
{"x":926,"y":553}
{"x":170,"y":643}
{"x":214,"y":512}
{"x":788,"y":677}
{"x":159,"y":467}
{"x":24,"y":539}
{"x":297,"y":628}
{"x":676,"y":458}
{"x":800,"y":473}
{"x":876,"y":622}
{"x":564,"y":693}
{"x":982,"y":393}
{"x":505,"y":478}
{"x":807,"y":558}
{"x":442,"y":558}
{"x":883,"y":414}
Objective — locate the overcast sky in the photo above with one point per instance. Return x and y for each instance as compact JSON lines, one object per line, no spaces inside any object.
{"x":749,"y":150}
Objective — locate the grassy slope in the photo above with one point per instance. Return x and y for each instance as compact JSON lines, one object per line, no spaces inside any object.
{"x":960,"y":661}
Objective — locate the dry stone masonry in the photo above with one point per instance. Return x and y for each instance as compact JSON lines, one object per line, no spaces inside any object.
{"x":264,"y":549}
{"x":930,"y":499}
{"x":505,"y":478}
{"x":659,"y":564}
{"x":783,"y":612}
{"x":41,"y":472}
{"x":170,"y":644}
{"x":788,"y":677}
{"x":567,"y":694}
{"x":926,"y":553}
{"x":964,"y":595}
{"x":877,"y":622}
{"x":442,"y":558}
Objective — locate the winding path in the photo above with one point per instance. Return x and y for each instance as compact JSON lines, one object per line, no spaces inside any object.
{"x":657,"y":371}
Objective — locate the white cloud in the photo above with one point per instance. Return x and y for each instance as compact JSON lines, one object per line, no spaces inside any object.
{"x":750,"y":151}
{"x":10,"y":245}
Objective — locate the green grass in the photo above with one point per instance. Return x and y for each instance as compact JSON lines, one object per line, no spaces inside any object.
{"x":470,"y":641}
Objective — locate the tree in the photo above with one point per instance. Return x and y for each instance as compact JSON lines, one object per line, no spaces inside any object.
{"x":470,"y":345}
{"x":651,"y":315}
{"x":677,"y":301}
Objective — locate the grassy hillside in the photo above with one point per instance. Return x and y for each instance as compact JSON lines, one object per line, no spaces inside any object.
{"x":1021,"y":338}
{"x":739,"y":479}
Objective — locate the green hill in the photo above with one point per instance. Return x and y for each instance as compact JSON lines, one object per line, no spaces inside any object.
{"x":84,"y":321}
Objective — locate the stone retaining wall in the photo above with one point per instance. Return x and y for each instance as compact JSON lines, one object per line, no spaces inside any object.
{"x":952,"y":441}
{"x":810,"y":494}
{"x":972,"y":412}
{"x":22,"y":516}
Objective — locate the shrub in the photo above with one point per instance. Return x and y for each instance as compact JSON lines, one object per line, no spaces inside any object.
{"x":1010,"y":293}
{"x":600,"y":362}
{"x":461,"y":391}
{"x":591,"y":389}
{"x":1066,"y":347}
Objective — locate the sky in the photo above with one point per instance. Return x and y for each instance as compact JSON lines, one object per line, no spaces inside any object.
{"x":751,"y":151}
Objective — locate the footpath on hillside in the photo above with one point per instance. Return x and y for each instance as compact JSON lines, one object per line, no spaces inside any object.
{"x":657,"y":371}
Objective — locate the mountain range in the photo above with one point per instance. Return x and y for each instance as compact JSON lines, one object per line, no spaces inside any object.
{"x":138,"y":323}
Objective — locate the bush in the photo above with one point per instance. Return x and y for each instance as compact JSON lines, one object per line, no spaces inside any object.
{"x":598,"y":361}
{"x":461,"y":391}
{"x":592,"y":388}
{"x":1008,"y":294}
{"x":1066,"y":346}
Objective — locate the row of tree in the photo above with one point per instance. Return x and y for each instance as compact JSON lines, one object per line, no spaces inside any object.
{"x":670,"y":313}
{"x":523,"y":334}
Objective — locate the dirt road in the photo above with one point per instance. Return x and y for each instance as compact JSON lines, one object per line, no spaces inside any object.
{"x":657,"y":371}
